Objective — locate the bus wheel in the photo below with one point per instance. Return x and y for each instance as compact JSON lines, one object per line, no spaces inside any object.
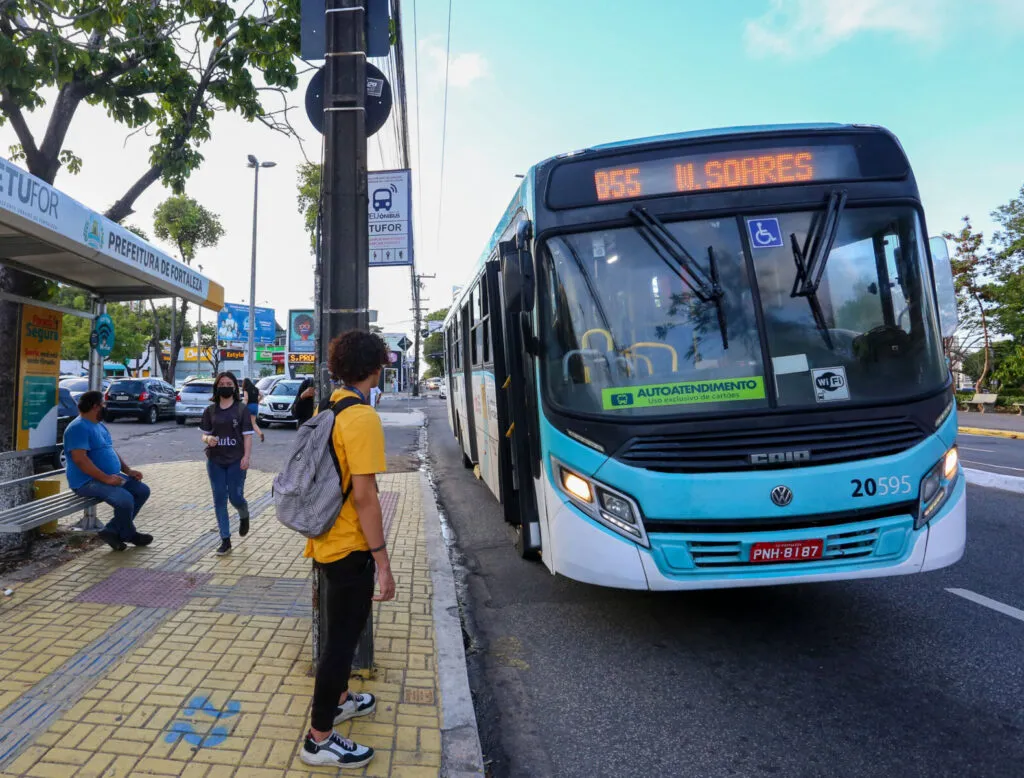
{"x":529,"y":554}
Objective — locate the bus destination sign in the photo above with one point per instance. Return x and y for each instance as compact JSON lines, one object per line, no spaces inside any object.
{"x":726,"y":170}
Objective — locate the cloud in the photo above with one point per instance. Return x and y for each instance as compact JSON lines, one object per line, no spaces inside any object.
{"x":463,"y":69}
{"x":795,"y":28}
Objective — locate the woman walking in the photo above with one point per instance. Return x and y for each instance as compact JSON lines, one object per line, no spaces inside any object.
{"x":251,"y":397}
{"x":227,"y":432}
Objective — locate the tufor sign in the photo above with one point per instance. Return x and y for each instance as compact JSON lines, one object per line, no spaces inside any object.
{"x":389,"y":207}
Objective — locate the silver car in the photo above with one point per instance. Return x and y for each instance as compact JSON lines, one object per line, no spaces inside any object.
{"x":193,"y":398}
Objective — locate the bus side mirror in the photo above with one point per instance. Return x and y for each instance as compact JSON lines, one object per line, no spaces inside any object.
{"x":942,"y":270}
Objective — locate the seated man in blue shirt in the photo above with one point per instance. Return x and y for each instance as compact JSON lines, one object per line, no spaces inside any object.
{"x":95,"y":470}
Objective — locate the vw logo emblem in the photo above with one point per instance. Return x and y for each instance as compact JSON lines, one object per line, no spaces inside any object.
{"x":782,"y":496}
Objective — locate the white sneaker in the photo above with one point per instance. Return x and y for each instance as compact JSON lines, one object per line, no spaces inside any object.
{"x":355,"y":705}
{"x":336,"y":751}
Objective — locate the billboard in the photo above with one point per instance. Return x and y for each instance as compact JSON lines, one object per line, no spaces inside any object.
{"x":301,"y":332}
{"x":233,"y":324}
{"x":38,"y":372}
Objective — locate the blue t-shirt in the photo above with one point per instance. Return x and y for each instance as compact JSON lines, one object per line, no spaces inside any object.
{"x":94,"y":439}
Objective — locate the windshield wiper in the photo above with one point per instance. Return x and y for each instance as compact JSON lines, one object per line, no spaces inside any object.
{"x":811,"y":258}
{"x":670,"y":251}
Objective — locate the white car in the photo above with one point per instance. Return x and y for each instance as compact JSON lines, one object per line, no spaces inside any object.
{"x":276,"y":405}
{"x":192,"y":400}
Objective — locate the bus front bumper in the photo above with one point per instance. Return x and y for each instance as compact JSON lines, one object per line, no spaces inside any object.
{"x":586,"y":552}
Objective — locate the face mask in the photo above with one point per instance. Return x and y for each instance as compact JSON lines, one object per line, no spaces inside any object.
{"x":225,"y":391}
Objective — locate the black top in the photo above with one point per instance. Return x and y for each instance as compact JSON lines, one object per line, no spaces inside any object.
{"x":303,"y":409}
{"x":230,"y":426}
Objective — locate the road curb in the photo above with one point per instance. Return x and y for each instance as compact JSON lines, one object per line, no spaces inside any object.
{"x":461,"y":755}
{"x":983,"y":478}
{"x":992,"y":433}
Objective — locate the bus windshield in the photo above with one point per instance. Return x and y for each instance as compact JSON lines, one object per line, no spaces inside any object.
{"x":627,"y":335}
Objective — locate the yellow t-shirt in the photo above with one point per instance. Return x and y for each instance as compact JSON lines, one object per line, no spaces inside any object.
{"x":359,"y":443}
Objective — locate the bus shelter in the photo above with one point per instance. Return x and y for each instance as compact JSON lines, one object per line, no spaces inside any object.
{"x":47,"y":233}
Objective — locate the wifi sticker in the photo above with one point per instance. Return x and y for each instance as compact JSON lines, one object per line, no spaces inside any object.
{"x":102,"y":337}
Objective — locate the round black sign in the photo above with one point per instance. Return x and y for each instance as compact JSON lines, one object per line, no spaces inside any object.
{"x":378,"y":100}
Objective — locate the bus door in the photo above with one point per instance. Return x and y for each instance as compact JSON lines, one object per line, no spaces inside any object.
{"x":469,"y":430}
{"x":502,"y":386}
{"x":520,"y":404}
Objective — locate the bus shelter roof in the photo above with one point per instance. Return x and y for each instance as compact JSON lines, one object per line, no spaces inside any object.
{"x":45,"y":232}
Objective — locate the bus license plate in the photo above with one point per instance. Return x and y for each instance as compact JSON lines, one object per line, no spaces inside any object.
{"x":786,"y":551}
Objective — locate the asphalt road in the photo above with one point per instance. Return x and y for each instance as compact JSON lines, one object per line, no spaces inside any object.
{"x":894,"y":677}
{"x":996,"y":455}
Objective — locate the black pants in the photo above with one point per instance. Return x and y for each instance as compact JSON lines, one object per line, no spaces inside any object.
{"x":349,"y":595}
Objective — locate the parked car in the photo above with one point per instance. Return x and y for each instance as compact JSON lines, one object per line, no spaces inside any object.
{"x":276,"y":405}
{"x":267,"y":383}
{"x":147,"y":399}
{"x":79,"y":386}
{"x":442,"y":390}
{"x":67,"y":410}
{"x":192,"y":399}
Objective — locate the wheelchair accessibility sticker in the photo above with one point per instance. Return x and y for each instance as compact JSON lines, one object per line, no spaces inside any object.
{"x":765,"y":233}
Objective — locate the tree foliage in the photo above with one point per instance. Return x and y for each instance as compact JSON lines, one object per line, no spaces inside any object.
{"x":973,"y":268}
{"x":433,"y":346}
{"x":309,"y":198}
{"x":165,"y":67}
{"x":189,"y":226}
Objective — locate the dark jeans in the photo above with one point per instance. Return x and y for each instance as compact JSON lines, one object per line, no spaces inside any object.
{"x":228,"y":483}
{"x":348,"y":591}
{"x":127,"y":500}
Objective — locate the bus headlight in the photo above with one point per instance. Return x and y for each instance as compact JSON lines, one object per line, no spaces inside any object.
{"x":615,"y":510}
{"x":937,"y":486}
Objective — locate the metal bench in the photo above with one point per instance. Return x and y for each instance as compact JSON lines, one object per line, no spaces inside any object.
{"x":36,"y":513}
{"x":1019,"y":407}
{"x":983,"y":401}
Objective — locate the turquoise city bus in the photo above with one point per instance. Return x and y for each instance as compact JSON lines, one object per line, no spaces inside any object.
{"x":714,"y":359}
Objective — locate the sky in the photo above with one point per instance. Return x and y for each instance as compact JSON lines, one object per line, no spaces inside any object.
{"x":537,"y":78}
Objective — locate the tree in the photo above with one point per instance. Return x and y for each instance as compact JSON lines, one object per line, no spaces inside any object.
{"x":1008,"y":246}
{"x":433,"y":346}
{"x":184,"y":222}
{"x":165,"y":66}
{"x":973,"y":267}
{"x":309,"y":198}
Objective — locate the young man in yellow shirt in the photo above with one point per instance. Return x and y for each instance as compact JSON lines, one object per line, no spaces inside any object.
{"x":349,"y":552}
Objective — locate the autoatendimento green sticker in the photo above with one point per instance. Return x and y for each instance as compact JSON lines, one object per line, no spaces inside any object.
{"x":685,"y":393}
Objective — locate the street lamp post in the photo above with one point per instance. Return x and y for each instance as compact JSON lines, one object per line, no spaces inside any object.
{"x":199,"y":339}
{"x":255,"y":164}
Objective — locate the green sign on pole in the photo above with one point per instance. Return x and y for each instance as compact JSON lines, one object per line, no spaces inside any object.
{"x":102,"y":337}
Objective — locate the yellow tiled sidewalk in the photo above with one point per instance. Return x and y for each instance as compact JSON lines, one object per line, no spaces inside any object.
{"x":169,"y":660}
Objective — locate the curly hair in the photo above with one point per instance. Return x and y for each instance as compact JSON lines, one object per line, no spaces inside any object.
{"x":355,"y":355}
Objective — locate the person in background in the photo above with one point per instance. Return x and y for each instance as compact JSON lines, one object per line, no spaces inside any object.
{"x":375,"y":394}
{"x":95,"y":470}
{"x":227,"y":431}
{"x":304,"y":405}
{"x":251,"y":397}
{"x":349,"y":553}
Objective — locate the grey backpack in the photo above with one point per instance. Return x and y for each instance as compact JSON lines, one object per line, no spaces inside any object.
{"x":308,"y":491}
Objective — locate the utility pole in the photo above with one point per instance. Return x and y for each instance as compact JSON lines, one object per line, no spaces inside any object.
{"x":417,"y":282}
{"x":345,"y":262}
{"x":343,"y":289}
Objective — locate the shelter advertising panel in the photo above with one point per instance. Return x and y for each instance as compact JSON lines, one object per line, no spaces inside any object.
{"x":38,"y":374}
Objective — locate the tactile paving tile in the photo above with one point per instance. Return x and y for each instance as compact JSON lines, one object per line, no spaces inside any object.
{"x":144,"y":588}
